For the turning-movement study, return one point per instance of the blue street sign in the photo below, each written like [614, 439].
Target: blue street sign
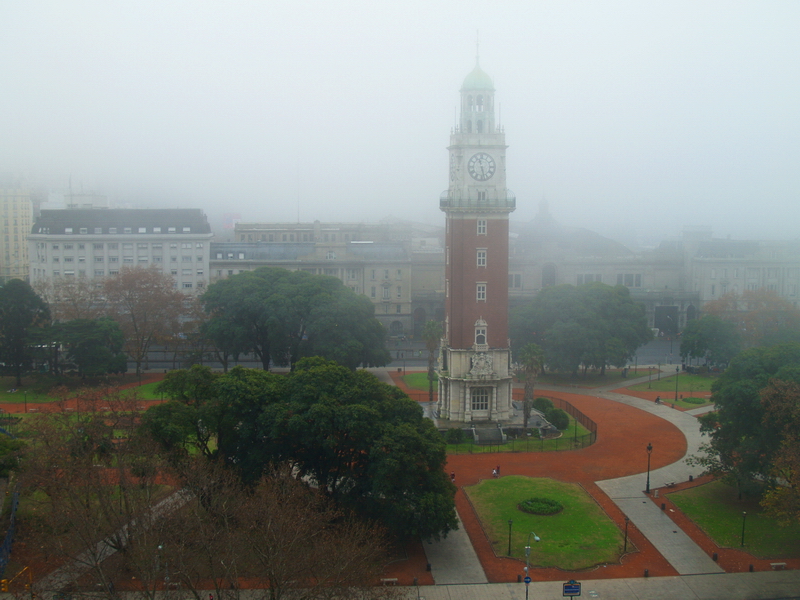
[572, 588]
[527, 580]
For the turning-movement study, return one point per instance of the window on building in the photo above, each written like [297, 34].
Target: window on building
[142, 229]
[399, 291]
[514, 280]
[480, 398]
[98, 246]
[330, 255]
[187, 285]
[481, 259]
[112, 230]
[157, 259]
[127, 230]
[386, 293]
[187, 230]
[113, 259]
[186, 272]
[399, 309]
[399, 274]
[99, 273]
[199, 245]
[98, 230]
[173, 272]
[156, 229]
[480, 336]
[55, 246]
[373, 292]
[374, 274]
[241, 256]
[113, 246]
[69, 259]
[98, 259]
[142, 260]
[200, 272]
[186, 259]
[83, 230]
[481, 226]
[480, 294]
[481, 195]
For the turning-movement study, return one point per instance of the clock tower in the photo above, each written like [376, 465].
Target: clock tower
[474, 374]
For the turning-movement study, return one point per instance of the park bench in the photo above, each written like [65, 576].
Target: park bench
[671, 484]
[388, 580]
[778, 566]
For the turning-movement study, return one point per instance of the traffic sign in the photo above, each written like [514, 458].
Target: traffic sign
[572, 588]
[527, 580]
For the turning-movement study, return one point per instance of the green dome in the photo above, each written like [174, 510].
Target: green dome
[477, 80]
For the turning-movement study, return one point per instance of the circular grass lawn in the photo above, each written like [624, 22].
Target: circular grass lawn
[579, 537]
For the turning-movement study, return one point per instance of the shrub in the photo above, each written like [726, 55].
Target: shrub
[454, 436]
[558, 418]
[542, 404]
[540, 506]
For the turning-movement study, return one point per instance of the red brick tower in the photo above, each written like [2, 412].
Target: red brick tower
[474, 376]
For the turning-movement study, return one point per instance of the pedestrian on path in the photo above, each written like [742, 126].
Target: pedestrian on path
[498, 470]
[453, 476]
[658, 399]
[494, 473]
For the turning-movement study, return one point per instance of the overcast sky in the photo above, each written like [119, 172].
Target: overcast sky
[624, 116]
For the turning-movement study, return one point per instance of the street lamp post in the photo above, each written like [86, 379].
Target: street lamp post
[649, 451]
[659, 371]
[510, 523]
[677, 370]
[649, 376]
[744, 519]
[625, 547]
[536, 538]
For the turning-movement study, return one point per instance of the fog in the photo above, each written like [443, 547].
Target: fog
[625, 116]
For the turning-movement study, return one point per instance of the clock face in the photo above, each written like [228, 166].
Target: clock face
[481, 166]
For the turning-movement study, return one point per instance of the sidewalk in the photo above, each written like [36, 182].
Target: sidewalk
[778, 585]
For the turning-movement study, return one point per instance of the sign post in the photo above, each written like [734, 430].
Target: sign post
[572, 588]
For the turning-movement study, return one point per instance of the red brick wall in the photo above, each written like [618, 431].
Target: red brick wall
[463, 274]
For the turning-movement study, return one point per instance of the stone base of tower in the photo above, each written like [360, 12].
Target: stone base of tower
[475, 385]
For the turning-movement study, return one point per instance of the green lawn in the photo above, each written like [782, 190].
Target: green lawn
[590, 379]
[579, 537]
[419, 381]
[688, 385]
[716, 509]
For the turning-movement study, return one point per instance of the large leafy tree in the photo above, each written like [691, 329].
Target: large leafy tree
[147, 307]
[432, 334]
[761, 316]
[781, 403]
[283, 316]
[593, 325]
[362, 443]
[742, 443]
[21, 312]
[711, 338]
[93, 346]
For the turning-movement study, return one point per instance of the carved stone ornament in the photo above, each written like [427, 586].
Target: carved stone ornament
[481, 364]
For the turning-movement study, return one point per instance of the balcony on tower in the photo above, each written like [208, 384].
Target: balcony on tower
[478, 200]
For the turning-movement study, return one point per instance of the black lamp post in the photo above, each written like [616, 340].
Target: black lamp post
[510, 523]
[744, 519]
[659, 371]
[649, 376]
[649, 452]
[677, 370]
[625, 547]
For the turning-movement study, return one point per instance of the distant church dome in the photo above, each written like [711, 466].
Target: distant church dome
[477, 80]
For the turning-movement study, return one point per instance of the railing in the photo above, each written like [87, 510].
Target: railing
[508, 202]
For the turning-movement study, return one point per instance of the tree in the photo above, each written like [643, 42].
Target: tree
[711, 338]
[742, 444]
[147, 307]
[283, 316]
[593, 325]
[432, 334]
[72, 298]
[761, 316]
[21, 312]
[781, 403]
[94, 346]
[363, 443]
[531, 358]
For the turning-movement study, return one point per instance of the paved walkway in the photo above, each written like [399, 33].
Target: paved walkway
[778, 585]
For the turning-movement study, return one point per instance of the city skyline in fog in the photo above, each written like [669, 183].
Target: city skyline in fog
[625, 117]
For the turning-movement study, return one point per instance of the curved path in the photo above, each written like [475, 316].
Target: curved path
[613, 471]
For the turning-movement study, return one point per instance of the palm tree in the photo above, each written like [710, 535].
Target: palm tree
[531, 357]
[432, 334]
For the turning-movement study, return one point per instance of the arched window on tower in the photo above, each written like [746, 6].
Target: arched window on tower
[480, 126]
[479, 104]
[469, 126]
[480, 333]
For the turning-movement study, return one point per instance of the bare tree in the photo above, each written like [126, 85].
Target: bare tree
[72, 297]
[147, 307]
